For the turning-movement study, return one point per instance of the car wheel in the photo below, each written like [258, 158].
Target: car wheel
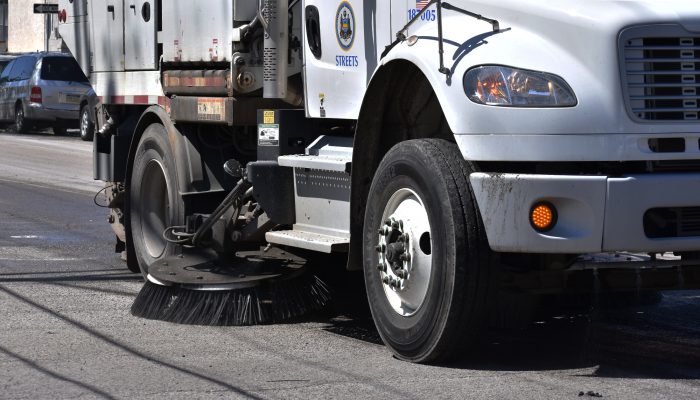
[154, 199]
[87, 128]
[21, 124]
[425, 254]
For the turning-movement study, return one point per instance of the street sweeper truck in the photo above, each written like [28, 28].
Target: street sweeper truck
[447, 149]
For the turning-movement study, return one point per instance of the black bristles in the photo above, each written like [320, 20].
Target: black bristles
[270, 302]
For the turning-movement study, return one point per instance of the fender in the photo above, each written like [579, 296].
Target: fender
[400, 104]
[193, 176]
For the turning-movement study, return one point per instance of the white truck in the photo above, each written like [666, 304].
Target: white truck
[442, 146]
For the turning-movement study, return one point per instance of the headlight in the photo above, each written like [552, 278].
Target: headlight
[495, 85]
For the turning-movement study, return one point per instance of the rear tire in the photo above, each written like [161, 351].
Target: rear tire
[154, 199]
[21, 124]
[421, 189]
[87, 128]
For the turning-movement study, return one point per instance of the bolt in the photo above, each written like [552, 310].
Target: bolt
[381, 232]
[405, 257]
[401, 273]
[387, 222]
[385, 280]
[380, 267]
[395, 225]
[380, 248]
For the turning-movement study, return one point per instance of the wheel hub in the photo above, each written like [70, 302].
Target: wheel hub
[404, 268]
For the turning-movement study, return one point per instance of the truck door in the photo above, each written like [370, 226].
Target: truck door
[335, 63]
[140, 45]
[108, 31]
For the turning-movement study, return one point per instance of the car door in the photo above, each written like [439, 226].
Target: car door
[5, 114]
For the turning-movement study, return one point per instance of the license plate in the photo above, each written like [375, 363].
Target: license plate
[69, 98]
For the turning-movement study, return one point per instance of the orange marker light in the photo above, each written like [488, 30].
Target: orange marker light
[543, 216]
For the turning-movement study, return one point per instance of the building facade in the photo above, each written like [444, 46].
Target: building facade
[26, 31]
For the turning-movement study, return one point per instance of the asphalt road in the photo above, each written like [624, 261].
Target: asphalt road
[66, 331]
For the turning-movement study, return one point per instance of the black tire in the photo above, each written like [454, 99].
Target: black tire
[60, 131]
[87, 127]
[154, 200]
[452, 314]
[21, 124]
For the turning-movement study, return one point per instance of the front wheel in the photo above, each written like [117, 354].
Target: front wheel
[154, 199]
[87, 128]
[425, 255]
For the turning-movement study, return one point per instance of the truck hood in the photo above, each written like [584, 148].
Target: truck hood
[598, 15]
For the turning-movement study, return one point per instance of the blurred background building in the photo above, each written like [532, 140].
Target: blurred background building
[23, 31]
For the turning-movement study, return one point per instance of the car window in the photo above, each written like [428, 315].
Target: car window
[3, 64]
[61, 69]
[23, 68]
[5, 76]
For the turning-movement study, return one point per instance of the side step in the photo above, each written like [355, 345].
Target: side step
[309, 241]
[321, 197]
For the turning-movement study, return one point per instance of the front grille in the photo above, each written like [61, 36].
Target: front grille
[672, 222]
[661, 71]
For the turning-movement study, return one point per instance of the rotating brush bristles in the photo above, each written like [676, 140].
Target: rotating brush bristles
[267, 303]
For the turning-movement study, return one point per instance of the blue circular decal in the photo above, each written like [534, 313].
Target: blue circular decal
[345, 26]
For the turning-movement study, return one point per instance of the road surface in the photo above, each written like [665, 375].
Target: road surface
[66, 331]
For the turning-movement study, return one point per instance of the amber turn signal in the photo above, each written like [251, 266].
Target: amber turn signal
[543, 216]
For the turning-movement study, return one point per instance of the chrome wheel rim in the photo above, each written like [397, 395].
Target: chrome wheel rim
[19, 118]
[155, 208]
[405, 252]
[84, 122]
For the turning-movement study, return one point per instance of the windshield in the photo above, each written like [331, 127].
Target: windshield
[61, 69]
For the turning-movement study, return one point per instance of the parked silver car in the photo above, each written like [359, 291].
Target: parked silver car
[45, 90]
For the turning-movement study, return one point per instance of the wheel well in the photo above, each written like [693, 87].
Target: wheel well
[150, 116]
[400, 104]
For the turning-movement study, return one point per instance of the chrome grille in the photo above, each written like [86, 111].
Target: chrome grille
[661, 71]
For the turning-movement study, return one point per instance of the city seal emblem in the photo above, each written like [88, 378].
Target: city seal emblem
[345, 26]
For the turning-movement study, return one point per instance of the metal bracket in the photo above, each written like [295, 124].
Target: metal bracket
[401, 35]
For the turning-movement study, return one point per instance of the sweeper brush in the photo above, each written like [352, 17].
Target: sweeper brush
[252, 290]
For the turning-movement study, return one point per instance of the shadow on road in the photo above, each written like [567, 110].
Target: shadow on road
[122, 346]
[619, 342]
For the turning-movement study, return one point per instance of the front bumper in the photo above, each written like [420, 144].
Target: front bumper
[595, 213]
[37, 112]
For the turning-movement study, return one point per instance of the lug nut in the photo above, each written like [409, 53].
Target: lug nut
[387, 222]
[380, 267]
[382, 232]
[395, 225]
[386, 280]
